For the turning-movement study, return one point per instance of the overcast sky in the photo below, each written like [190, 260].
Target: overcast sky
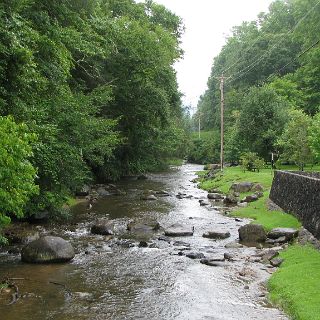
[207, 23]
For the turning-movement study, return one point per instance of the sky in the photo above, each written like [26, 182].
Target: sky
[207, 23]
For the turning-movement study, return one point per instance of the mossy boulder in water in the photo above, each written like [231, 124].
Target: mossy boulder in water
[47, 250]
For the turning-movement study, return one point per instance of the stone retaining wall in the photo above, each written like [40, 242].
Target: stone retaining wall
[299, 194]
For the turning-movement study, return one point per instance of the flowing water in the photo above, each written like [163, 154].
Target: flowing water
[111, 279]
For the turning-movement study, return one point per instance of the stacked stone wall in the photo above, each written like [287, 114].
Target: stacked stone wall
[298, 193]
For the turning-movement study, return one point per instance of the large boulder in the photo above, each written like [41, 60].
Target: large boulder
[252, 233]
[241, 187]
[178, 230]
[47, 250]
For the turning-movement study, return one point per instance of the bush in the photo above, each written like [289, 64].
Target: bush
[251, 162]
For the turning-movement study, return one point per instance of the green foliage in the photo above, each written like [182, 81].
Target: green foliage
[16, 172]
[314, 136]
[251, 162]
[261, 120]
[294, 142]
[295, 286]
[271, 64]
[94, 80]
[206, 149]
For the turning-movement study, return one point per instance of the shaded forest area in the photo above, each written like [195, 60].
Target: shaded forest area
[272, 89]
[87, 93]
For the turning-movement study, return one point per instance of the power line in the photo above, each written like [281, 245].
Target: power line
[294, 59]
[250, 66]
[288, 63]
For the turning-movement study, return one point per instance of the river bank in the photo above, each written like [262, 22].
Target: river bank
[118, 278]
[294, 286]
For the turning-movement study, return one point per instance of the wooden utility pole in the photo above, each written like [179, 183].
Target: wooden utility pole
[222, 121]
[222, 78]
[199, 124]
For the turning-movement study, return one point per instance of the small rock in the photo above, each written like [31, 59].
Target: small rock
[276, 241]
[288, 233]
[257, 187]
[162, 193]
[241, 187]
[243, 204]
[228, 256]
[204, 203]
[143, 244]
[250, 198]
[276, 262]
[164, 238]
[216, 235]
[246, 287]
[102, 192]
[212, 263]
[149, 197]
[215, 196]
[181, 244]
[178, 230]
[195, 255]
[233, 245]
[102, 227]
[269, 254]
[231, 199]
[259, 194]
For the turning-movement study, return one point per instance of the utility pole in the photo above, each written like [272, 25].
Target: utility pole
[199, 124]
[222, 78]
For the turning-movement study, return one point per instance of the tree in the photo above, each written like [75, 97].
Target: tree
[314, 136]
[17, 174]
[293, 142]
[261, 121]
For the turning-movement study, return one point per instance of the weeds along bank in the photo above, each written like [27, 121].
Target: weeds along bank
[295, 286]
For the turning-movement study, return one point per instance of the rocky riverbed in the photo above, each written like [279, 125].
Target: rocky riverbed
[150, 251]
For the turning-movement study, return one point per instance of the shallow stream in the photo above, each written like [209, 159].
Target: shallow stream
[112, 279]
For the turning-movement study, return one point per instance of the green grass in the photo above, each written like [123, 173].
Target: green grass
[257, 210]
[296, 285]
[224, 180]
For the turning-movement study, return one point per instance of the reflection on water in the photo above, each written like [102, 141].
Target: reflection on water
[107, 280]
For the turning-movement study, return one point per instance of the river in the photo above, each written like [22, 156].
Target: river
[109, 279]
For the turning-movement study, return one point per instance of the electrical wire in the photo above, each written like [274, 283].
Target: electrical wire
[250, 66]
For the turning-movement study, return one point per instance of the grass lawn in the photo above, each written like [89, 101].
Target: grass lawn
[259, 212]
[296, 285]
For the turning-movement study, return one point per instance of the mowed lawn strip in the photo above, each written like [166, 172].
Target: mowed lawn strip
[296, 285]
